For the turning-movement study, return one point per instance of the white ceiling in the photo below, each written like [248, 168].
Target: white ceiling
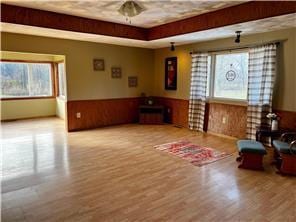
[157, 11]
[259, 26]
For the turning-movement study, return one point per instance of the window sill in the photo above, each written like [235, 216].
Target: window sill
[61, 97]
[28, 98]
[227, 101]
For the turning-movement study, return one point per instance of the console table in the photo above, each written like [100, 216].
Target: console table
[265, 131]
[151, 114]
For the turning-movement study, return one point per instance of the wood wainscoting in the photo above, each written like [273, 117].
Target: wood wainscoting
[105, 112]
[235, 117]
[102, 112]
[287, 119]
[176, 110]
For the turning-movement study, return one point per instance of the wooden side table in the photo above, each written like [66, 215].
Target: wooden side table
[151, 114]
[265, 131]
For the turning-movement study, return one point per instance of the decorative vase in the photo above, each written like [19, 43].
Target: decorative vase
[274, 124]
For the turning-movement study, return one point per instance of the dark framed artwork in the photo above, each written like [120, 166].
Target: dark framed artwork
[116, 72]
[99, 64]
[171, 73]
[132, 81]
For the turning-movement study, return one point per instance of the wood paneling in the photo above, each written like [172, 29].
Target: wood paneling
[235, 119]
[98, 113]
[249, 11]
[176, 110]
[287, 119]
[46, 19]
[235, 125]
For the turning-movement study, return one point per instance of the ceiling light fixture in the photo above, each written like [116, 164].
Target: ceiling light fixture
[130, 9]
[172, 46]
[237, 39]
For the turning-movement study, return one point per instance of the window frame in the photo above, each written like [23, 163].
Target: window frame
[210, 98]
[58, 93]
[53, 81]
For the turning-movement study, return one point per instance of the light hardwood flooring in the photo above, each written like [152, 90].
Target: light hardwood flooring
[115, 174]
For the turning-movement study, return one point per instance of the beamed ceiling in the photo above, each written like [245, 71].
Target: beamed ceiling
[179, 21]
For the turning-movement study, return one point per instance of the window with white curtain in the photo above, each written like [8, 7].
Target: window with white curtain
[228, 76]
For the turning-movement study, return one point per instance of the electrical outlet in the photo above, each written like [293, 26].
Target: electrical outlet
[223, 119]
[78, 115]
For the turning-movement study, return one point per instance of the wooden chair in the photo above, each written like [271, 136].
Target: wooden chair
[285, 153]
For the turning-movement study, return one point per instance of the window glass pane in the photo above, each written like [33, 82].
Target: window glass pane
[61, 74]
[14, 79]
[231, 76]
[25, 79]
[41, 80]
[209, 75]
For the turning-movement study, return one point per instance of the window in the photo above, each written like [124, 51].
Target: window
[61, 75]
[20, 79]
[228, 75]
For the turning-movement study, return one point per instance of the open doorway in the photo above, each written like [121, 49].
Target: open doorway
[33, 86]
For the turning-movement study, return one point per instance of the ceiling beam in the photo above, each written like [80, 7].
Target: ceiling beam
[245, 12]
[249, 11]
[45, 19]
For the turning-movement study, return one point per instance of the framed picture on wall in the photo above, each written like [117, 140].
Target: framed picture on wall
[99, 64]
[132, 81]
[171, 73]
[116, 72]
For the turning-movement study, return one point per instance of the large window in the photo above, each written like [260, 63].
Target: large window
[20, 79]
[228, 76]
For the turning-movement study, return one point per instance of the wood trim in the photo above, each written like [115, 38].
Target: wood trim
[249, 11]
[28, 98]
[34, 17]
[223, 135]
[27, 118]
[110, 99]
[245, 12]
[24, 61]
[56, 78]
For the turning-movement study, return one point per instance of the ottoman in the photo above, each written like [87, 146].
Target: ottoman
[250, 154]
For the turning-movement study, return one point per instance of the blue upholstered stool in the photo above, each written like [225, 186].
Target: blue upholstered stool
[250, 154]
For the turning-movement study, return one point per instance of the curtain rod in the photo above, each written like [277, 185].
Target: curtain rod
[240, 47]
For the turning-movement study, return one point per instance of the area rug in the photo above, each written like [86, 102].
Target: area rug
[195, 154]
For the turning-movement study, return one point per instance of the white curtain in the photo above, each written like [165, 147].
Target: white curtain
[198, 89]
[262, 71]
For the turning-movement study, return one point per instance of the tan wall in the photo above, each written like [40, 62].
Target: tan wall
[82, 82]
[285, 90]
[28, 108]
[61, 108]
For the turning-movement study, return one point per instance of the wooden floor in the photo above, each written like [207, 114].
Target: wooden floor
[115, 174]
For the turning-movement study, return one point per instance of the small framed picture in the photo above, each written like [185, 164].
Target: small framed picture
[99, 64]
[116, 72]
[132, 81]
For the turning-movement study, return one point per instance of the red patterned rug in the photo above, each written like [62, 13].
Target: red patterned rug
[197, 155]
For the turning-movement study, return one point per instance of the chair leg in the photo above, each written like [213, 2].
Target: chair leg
[239, 158]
